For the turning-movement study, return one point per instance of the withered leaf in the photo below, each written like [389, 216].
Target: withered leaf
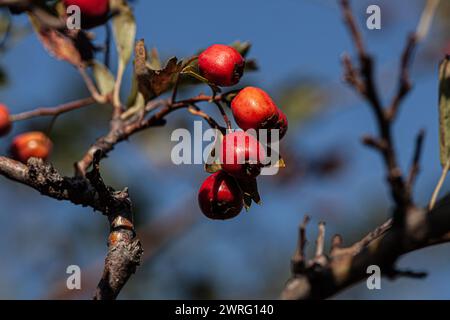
[444, 110]
[152, 83]
[161, 80]
[75, 49]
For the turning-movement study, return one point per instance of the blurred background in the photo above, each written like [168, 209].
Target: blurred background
[330, 175]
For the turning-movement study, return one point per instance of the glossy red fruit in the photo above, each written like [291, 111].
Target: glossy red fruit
[93, 12]
[253, 108]
[241, 154]
[222, 65]
[220, 197]
[33, 144]
[5, 122]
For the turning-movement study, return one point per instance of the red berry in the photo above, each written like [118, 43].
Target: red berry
[222, 65]
[253, 108]
[5, 122]
[93, 12]
[33, 144]
[241, 154]
[220, 197]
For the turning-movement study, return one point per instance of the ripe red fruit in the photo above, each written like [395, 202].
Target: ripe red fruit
[33, 144]
[222, 65]
[241, 154]
[93, 12]
[5, 122]
[220, 197]
[253, 108]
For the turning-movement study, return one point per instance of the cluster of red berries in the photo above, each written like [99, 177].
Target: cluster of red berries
[34, 144]
[220, 196]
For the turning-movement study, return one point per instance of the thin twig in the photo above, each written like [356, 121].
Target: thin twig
[53, 111]
[426, 19]
[404, 85]
[298, 259]
[193, 109]
[91, 86]
[224, 114]
[415, 165]
[385, 142]
[320, 242]
[439, 185]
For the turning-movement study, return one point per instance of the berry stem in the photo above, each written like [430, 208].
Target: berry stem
[224, 115]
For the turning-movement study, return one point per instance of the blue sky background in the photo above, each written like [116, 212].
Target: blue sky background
[247, 257]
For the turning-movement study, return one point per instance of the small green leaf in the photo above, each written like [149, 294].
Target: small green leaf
[103, 78]
[193, 72]
[444, 110]
[242, 47]
[124, 28]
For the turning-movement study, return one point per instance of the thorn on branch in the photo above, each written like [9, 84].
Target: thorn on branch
[415, 165]
[336, 243]
[351, 75]
[373, 142]
[404, 85]
[351, 24]
[320, 245]
[298, 259]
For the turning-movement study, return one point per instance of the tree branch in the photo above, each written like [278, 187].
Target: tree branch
[411, 228]
[381, 247]
[53, 111]
[124, 249]
[121, 129]
[384, 142]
